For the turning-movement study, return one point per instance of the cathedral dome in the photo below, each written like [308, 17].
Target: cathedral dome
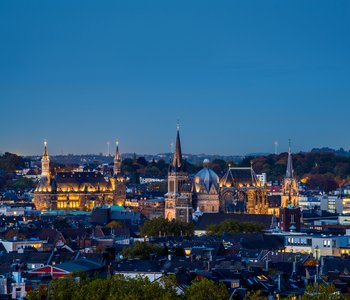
[206, 178]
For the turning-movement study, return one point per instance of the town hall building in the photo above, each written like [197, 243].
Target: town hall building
[78, 190]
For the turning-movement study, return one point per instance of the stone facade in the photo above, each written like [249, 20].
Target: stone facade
[77, 190]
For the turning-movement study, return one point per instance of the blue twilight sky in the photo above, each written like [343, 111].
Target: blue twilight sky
[238, 74]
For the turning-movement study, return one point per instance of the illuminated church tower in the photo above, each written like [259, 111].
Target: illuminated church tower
[45, 162]
[290, 185]
[117, 161]
[178, 200]
[118, 180]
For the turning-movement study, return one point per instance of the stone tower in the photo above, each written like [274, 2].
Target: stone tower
[45, 162]
[118, 180]
[178, 199]
[117, 161]
[290, 191]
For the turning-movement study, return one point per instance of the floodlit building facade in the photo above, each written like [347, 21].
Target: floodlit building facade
[78, 190]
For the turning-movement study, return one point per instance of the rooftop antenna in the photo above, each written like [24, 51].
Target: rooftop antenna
[276, 147]
[108, 153]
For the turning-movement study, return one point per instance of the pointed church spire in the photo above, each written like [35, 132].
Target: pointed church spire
[46, 152]
[117, 154]
[177, 158]
[117, 160]
[289, 171]
[45, 162]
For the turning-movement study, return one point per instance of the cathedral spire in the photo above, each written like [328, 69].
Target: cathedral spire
[117, 160]
[45, 162]
[177, 158]
[289, 171]
[46, 152]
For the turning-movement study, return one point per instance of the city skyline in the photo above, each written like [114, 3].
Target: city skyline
[238, 75]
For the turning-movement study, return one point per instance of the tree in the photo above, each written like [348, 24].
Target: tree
[162, 226]
[219, 165]
[255, 295]
[22, 183]
[233, 226]
[206, 289]
[10, 162]
[113, 287]
[152, 171]
[322, 292]
[143, 250]
[142, 161]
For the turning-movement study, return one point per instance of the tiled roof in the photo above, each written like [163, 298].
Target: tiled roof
[80, 265]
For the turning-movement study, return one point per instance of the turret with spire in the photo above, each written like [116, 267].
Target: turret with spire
[289, 171]
[290, 185]
[178, 164]
[117, 161]
[178, 199]
[45, 162]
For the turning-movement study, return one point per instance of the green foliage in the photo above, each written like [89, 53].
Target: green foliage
[219, 165]
[10, 162]
[143, 250]
[255, 295]
[232, 226]
[22, 183]
[163, 226]
[118, 287]
[323, 170]
[206, 289]
[322, 292]
[114, 287]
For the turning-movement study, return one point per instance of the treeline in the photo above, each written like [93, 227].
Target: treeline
[9, 163]
[319, 170]
[161, 226]
[141, 167]
[232, 226]
[118, 287]
[323, 169]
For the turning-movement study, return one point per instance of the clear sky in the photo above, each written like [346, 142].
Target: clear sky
[238, 74]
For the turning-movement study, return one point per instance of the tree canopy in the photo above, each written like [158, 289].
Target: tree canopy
[119, 287]
[161, 226]
[206, 289]
[143, 250]
[232, 226]
[9, 162]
